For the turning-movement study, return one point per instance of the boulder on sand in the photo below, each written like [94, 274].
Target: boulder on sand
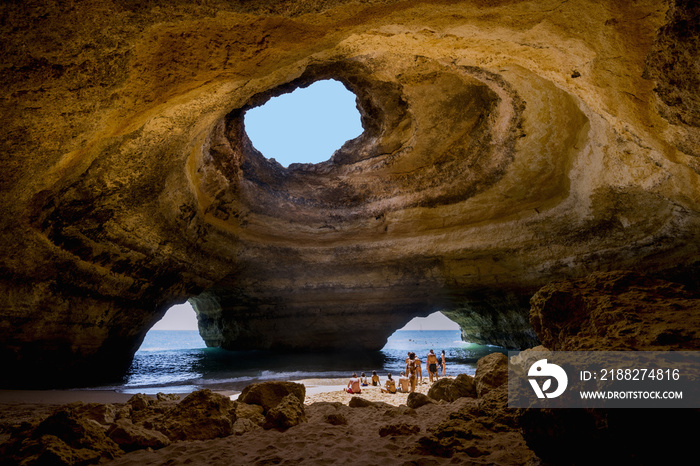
[270, 394]
[63, 438]
[202, 415]
[453, 389]
[132, 437]
[253, 413]
[415, 400]
[288, 413]
[491, 373]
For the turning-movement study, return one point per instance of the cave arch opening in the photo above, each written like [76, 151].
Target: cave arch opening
[306, 125]
[177, 329]
[434, 330]
[439, 333]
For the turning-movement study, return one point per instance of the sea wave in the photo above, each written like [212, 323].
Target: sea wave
[175, 362]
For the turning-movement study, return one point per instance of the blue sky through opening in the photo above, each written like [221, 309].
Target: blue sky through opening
[306, 125]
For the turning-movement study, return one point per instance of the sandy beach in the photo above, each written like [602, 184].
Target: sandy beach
[334, 432]
[45, 401]
[332, 390]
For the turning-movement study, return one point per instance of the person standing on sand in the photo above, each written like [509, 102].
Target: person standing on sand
[418, 365]
[443, 363]
[403, 383]
[390, 385]
[354, 384]
[432, 363]
[412, 370]
[420, 370]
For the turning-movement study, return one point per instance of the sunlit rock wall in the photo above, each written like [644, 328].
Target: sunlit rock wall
[506, 144]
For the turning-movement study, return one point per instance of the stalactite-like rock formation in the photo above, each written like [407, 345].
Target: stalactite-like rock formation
[505, 144]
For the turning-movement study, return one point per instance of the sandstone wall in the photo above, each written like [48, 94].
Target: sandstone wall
[506, 144]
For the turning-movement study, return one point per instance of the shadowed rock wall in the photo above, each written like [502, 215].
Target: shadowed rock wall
[506, 144]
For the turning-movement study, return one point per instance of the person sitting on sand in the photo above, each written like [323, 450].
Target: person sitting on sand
[412, 371]
[403, 383]
[375, 379]
[353, 384]
[432, 363]
[363, 380]
[389, 384]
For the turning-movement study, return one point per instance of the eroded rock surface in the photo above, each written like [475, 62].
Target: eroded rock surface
[614, 311]
[270, 394]
[81, 434]
[66, 437]
[505, 144]
[617, 311]
[452, 389]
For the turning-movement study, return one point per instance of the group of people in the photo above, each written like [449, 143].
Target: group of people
[409, 378]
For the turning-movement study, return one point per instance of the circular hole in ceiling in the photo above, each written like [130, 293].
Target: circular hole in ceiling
[305, 126]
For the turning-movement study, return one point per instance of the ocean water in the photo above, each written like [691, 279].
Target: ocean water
[177, 361]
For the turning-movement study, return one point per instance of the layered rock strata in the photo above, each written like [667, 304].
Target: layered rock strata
[505, 144]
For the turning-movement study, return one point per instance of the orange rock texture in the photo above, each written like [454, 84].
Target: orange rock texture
[506, 144]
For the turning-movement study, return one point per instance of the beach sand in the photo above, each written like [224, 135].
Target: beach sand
[377, 434]
[332, 390]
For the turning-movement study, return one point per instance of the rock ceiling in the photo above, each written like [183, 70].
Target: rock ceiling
[505, 144]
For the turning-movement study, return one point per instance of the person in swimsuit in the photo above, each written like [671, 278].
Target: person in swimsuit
[363, 380]
[375, 379]
[390, 385]
[418, 365]
[432, 362]
[353, 384]
[420, 370]
[403, 383]
[412, 371]
[443, 363]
